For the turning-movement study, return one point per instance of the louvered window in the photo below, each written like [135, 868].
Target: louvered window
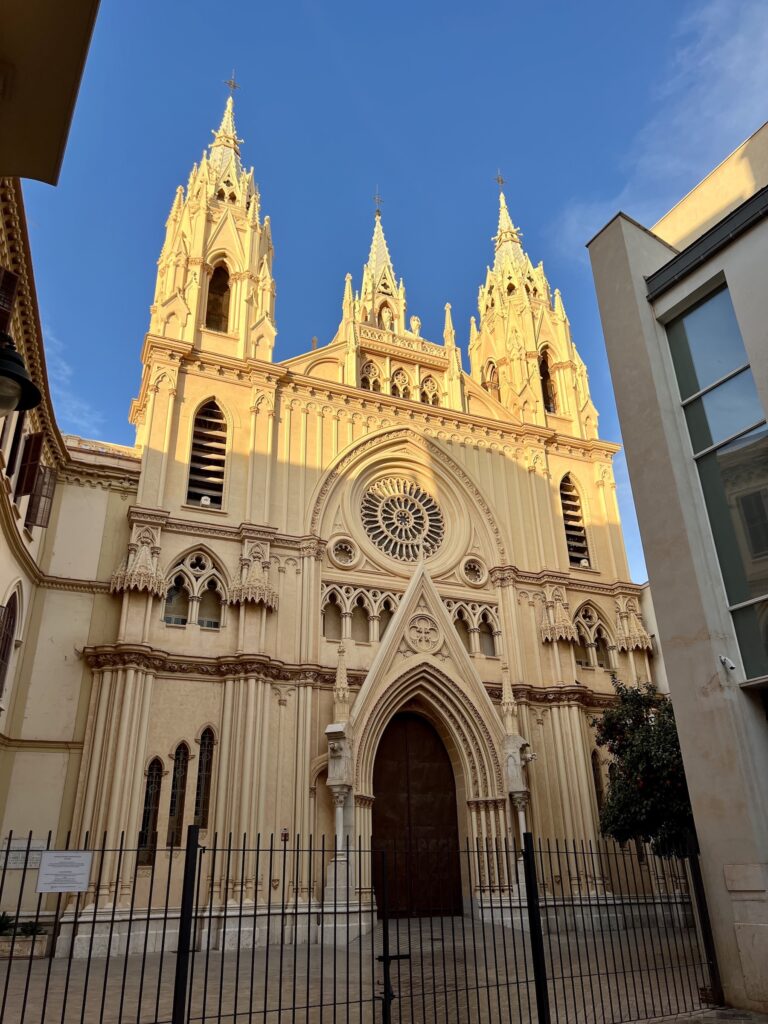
[575, 534]
[547, 385]
[18, 434]
[148, 834]
[208, 457]
[178, 792]
[30, 460]
[8, 282]
[8, 616]
[41, 498]
[204, 772]
[217, 311]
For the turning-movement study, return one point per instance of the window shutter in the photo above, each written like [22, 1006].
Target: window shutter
[30, 460]
[8, 282]
[18, 433]
[41, 501]
[7, 632]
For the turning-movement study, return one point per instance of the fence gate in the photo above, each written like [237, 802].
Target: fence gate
[278, 929]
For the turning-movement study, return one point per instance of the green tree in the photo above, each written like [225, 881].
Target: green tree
[647, 795]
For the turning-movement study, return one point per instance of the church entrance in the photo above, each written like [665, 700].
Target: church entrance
[415, 829]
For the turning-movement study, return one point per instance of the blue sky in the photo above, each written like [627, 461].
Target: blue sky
[586, 108]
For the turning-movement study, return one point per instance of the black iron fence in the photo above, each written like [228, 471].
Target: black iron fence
[281, 930]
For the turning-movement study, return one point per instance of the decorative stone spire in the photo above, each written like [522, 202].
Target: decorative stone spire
[226, 145]
[449, 334]
[379, 259]
[507, 238]
[341, 689]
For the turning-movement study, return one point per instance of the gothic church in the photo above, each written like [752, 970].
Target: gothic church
[312, 579]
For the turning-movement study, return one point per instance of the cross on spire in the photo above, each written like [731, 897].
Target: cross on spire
[232, 84]
[500, 181]
[378, 200]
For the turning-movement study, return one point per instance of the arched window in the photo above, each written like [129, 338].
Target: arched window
[602, 651]
[385, 617]
[370, 377]
[429, 391]
[209, 613]
[491, 379]
[220, 195]
[360, 622]
[204, 774]
[208, 457]
[575, 534]
[580, 650]
[462, 628]
[332, 619]
[487, 639]
[8, 618]
[547, 384]
[597, 778]
[178, 792]
[400, 384]
[148, 834]
[217, 310]
[177, 603]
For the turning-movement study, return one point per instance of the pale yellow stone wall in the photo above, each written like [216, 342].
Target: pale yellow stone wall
[108, 684]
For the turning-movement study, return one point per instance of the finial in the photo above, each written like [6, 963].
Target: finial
[231, 84]
[498, 179]
[378, 200]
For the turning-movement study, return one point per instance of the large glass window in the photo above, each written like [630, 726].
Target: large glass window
[726, 423]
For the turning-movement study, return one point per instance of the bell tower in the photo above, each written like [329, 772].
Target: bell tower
[522, 353]
[215, 291]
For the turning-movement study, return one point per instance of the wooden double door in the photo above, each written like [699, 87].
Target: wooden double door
[416, 856]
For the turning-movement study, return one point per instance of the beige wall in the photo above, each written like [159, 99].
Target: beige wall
[723, 731]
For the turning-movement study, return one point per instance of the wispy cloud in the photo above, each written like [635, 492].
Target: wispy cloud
[712, 95]
[75, 415]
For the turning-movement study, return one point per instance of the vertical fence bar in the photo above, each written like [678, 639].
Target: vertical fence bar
[185, 925]
[534, 924]
[702, 912]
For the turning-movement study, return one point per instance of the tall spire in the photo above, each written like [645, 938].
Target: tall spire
[226, 144]
[379, 258]
[507, 237]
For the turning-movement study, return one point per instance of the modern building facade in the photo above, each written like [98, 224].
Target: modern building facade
[684, 310]
[304, 565]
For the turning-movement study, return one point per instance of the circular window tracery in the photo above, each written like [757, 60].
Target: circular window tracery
[402, 519]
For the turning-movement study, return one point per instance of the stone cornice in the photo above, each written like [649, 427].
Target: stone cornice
[511, 576]
[39, 746]
[111, 656]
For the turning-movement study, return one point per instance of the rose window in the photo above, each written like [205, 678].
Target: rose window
[402, 519]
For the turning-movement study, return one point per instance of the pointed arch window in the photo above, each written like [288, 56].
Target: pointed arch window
[359, 625]
[148, 833]
[177, 603]
[208, 457]
[209, 612]
[178, 793]
[370, 379]
[602, 649]
[8, 619]
[462, 628]
[573, 519]
[491, 379]
[217, 309]
[332, 619]
[486, 637]
[429, 391]
[204, 776]
[547, 384]
[400, 387]
[385, 616]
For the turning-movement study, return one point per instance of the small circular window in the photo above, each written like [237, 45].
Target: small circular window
[343, 552]
[474, 572]
[402, 519]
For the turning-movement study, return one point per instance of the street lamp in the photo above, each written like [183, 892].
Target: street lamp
[17, 390]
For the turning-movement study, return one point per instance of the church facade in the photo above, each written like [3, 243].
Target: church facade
[305, 567]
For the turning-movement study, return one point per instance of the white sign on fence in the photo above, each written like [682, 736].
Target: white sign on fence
[21, 853]
[64, 870]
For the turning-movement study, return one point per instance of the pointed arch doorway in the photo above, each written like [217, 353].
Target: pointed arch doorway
[415, 827]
